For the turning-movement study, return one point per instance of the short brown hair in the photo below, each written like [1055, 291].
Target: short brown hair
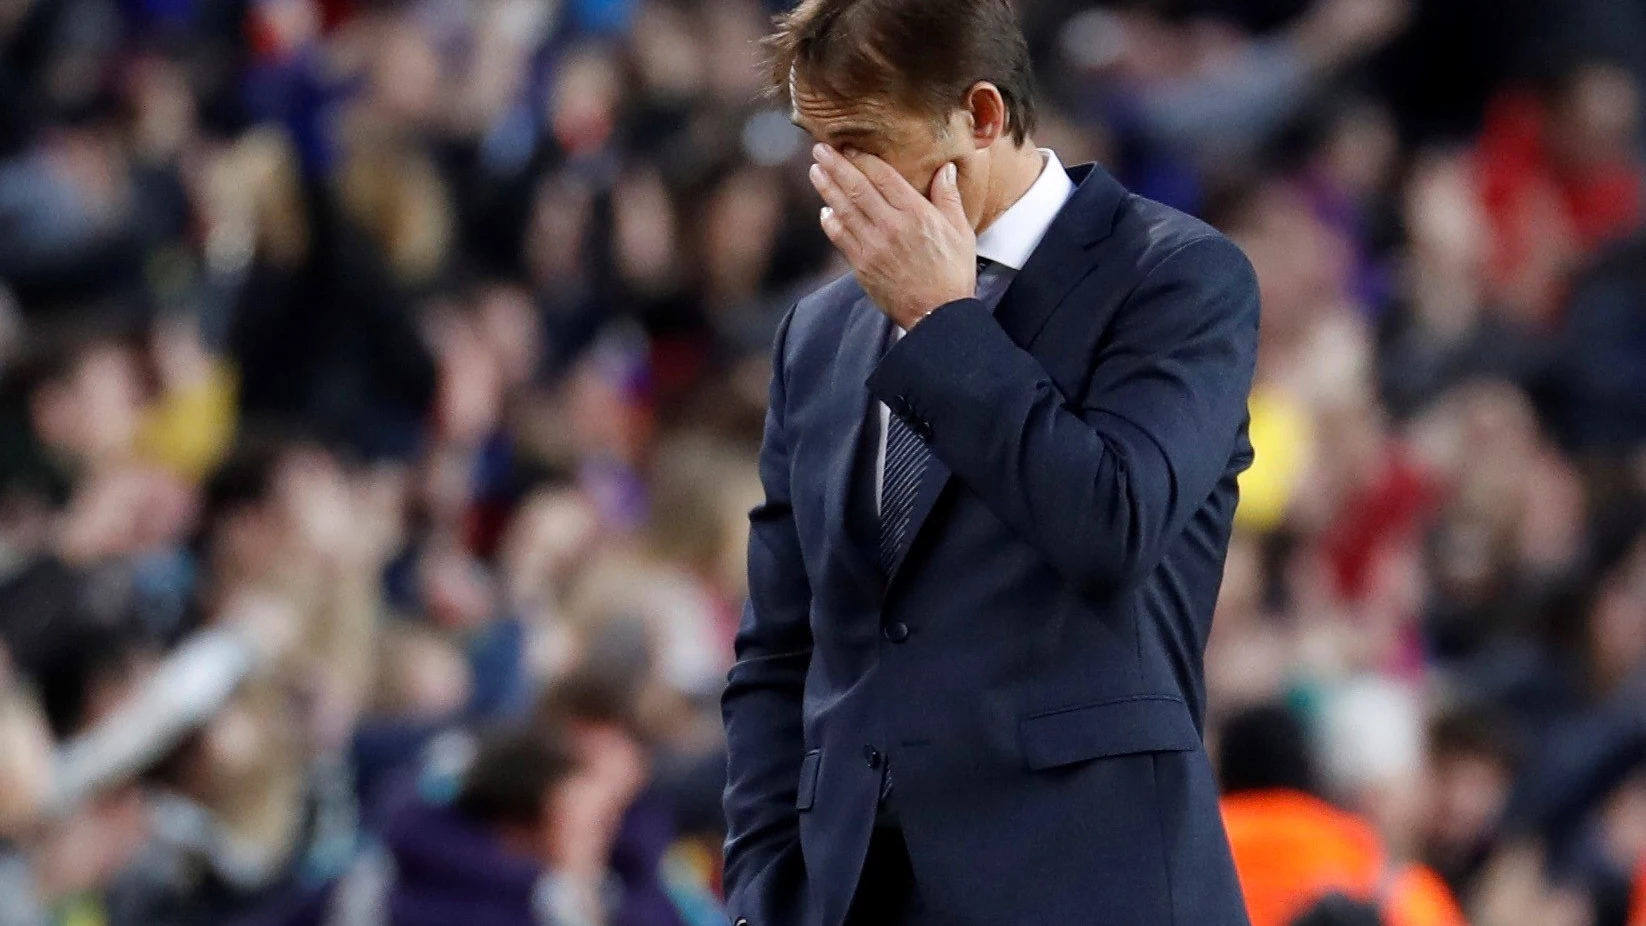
[511, 774]
[922, 54]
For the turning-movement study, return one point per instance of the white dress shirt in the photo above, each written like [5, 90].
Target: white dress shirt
[1007, 241]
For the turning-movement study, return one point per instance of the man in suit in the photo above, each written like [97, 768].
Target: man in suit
[999, 471]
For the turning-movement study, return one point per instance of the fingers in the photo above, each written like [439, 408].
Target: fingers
[946, 196]
[890, 184]
[845, 190]
[839, 235]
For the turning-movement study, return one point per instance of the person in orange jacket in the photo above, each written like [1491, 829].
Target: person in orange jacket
[1293, 849]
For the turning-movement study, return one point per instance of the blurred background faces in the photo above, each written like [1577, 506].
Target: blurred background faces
[380, 384]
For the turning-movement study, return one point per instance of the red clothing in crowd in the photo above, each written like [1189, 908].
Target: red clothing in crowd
[1534, 203]
[1388, 511]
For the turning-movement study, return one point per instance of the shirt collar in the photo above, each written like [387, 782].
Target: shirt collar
[1012, 237]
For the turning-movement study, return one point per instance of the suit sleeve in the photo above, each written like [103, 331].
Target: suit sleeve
[1098, 483]
[762, 703]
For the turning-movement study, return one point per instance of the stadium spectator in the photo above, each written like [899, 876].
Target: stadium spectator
[1301, 860]
[523, 841]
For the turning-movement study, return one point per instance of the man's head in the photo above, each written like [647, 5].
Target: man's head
[917, 83]
[1266, 748]
[80, 385]
[511, 782]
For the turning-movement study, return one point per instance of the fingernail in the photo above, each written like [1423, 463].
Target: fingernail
[948, 172]
[816, 173]
[821, 152]
[823, 215]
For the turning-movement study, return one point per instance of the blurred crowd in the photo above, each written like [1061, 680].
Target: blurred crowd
[380, 384]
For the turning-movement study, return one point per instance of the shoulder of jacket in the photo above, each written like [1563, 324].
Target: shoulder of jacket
[819, 309]
[1159, 233]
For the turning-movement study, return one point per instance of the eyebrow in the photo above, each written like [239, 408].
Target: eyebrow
[842, 132]
[855, 131]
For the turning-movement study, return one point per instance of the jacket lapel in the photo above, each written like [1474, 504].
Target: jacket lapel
[1063, 257]
[1058, 264]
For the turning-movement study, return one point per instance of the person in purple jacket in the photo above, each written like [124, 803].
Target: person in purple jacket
[525, 841]
[550, 825]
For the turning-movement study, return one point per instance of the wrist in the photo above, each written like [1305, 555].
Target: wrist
[907, 324]
[920, 316]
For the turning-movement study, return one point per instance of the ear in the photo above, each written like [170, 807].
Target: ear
[988, 111]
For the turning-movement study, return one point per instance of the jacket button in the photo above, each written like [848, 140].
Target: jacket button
[871, 755]
[742, 922]
[896, 632]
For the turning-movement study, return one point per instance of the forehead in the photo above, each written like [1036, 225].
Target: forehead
[838, 120]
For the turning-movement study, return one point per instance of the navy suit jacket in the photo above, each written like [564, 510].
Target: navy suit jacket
[1031, 669]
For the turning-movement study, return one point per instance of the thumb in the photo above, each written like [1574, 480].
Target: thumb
[946, 196]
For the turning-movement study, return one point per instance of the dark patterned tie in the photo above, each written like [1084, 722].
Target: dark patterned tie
[906, 458]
